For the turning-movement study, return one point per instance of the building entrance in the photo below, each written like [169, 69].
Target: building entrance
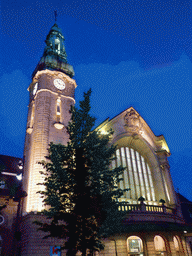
[135, 246]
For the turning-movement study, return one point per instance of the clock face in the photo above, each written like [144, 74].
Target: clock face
[59, 84]
[35, 88]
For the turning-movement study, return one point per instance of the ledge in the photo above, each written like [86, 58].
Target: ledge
[58, 126]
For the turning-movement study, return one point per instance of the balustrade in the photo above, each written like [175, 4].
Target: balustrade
[124, 206]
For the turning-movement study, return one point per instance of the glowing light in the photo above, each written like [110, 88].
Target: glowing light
[164, 146]
[29, 130]
[59, 126]
[19, 177]
[103, 132]
[9, 173]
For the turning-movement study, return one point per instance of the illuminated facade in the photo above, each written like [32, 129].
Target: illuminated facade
[154, 222]
[144, 156]
[51, 96]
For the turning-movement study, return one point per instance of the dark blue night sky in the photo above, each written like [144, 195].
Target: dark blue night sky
[131, 53]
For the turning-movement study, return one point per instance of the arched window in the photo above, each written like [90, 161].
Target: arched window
[58, 110]
[135, 246]
[137, 175]
[160, 246]
[32, 115]
[57, 45]
[177, 246]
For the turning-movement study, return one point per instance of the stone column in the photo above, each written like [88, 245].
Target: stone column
[165, 170]
[149, 238]
[172, 246]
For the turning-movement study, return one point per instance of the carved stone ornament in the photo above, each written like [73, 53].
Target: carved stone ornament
[132, 121]
[29, 130]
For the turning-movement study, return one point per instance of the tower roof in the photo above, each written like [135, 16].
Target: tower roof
[54, 56]
[56, 29]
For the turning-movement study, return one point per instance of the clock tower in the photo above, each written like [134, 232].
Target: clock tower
[51, 96]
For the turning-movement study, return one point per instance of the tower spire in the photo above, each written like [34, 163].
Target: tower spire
[54, 56]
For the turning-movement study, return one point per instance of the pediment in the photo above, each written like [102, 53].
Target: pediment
[130, 123]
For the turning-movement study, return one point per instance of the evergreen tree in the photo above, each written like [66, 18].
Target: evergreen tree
[81, 189]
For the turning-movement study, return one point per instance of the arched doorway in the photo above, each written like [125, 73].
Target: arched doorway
[135, 246]
[160, 248]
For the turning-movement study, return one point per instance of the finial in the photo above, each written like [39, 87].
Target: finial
[55, 16]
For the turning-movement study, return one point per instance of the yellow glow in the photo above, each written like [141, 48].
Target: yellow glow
[159, 243]
[29, 130]
[176, 243]
[55, 74]
[103, 132]
[47, 90]
[135, 244]
[59, 126]
[164, 146]
[34, 200]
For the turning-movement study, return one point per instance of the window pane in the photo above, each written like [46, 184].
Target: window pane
[137, 176]
[134, 244]
[118, 164]
[130, 172]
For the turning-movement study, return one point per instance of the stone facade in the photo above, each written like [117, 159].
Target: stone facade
[151, 227]
[42, 129]
[32, 242]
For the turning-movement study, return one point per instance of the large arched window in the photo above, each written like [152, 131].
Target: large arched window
[135, 246]
[137, 175]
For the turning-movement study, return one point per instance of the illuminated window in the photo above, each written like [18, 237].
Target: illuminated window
[160, 246]
[135, 246]
[58, 110]
[32, 115]
[57, 45]
[176, 244]
[137, 175]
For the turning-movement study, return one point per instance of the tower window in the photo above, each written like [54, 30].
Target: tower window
[58, 110]
[57, 45]
[32, 115]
